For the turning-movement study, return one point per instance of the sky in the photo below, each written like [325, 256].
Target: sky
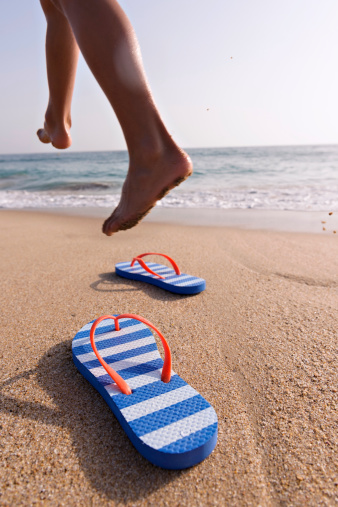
[223, 73]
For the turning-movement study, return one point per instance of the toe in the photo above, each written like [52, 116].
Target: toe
[109, 226]
[43, 136]
[106, 230]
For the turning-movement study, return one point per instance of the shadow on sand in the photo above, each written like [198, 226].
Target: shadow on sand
[110, 462]
[110, 282]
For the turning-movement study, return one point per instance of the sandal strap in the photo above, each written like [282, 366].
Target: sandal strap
[144, 265]
[120, 382]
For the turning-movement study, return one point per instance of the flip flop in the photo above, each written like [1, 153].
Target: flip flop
[167, 421]
[167, 278]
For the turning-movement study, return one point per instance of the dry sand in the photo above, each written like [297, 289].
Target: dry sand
[260, 344]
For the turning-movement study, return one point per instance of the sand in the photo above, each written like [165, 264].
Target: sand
[260, 344]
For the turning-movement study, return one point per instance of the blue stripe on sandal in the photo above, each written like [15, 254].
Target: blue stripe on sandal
[168, 422]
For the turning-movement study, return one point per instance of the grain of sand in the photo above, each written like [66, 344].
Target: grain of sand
[260, 344]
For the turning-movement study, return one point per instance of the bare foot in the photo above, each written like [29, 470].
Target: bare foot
[144, 186]
[55, 132]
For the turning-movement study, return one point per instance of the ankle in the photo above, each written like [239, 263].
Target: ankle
[58, 128]
[151, 154]
[57, 121]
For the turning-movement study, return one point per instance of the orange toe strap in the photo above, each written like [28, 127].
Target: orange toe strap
[144, 265]
[120, 382]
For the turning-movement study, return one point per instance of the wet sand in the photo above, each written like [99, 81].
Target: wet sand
[260, 344]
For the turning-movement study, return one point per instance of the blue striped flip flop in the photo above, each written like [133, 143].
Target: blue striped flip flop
[162, 276]
[167, 421]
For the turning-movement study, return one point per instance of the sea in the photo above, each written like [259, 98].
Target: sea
[298, 178]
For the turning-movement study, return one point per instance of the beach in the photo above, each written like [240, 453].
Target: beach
[260, 344]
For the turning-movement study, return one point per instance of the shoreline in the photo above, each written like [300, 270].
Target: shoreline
[252, 219]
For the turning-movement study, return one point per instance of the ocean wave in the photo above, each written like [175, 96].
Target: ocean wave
[83, 187]
[301, 198]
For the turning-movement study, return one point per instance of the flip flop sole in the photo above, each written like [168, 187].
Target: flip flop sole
[178, 284]
[170, 424]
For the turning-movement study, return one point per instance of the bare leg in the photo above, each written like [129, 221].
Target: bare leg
[109, 45]
[62, 54]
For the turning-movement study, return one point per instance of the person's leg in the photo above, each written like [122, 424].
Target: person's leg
[109, 45]
[62, 54]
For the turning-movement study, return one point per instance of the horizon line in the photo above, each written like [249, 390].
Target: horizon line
[56, 151]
